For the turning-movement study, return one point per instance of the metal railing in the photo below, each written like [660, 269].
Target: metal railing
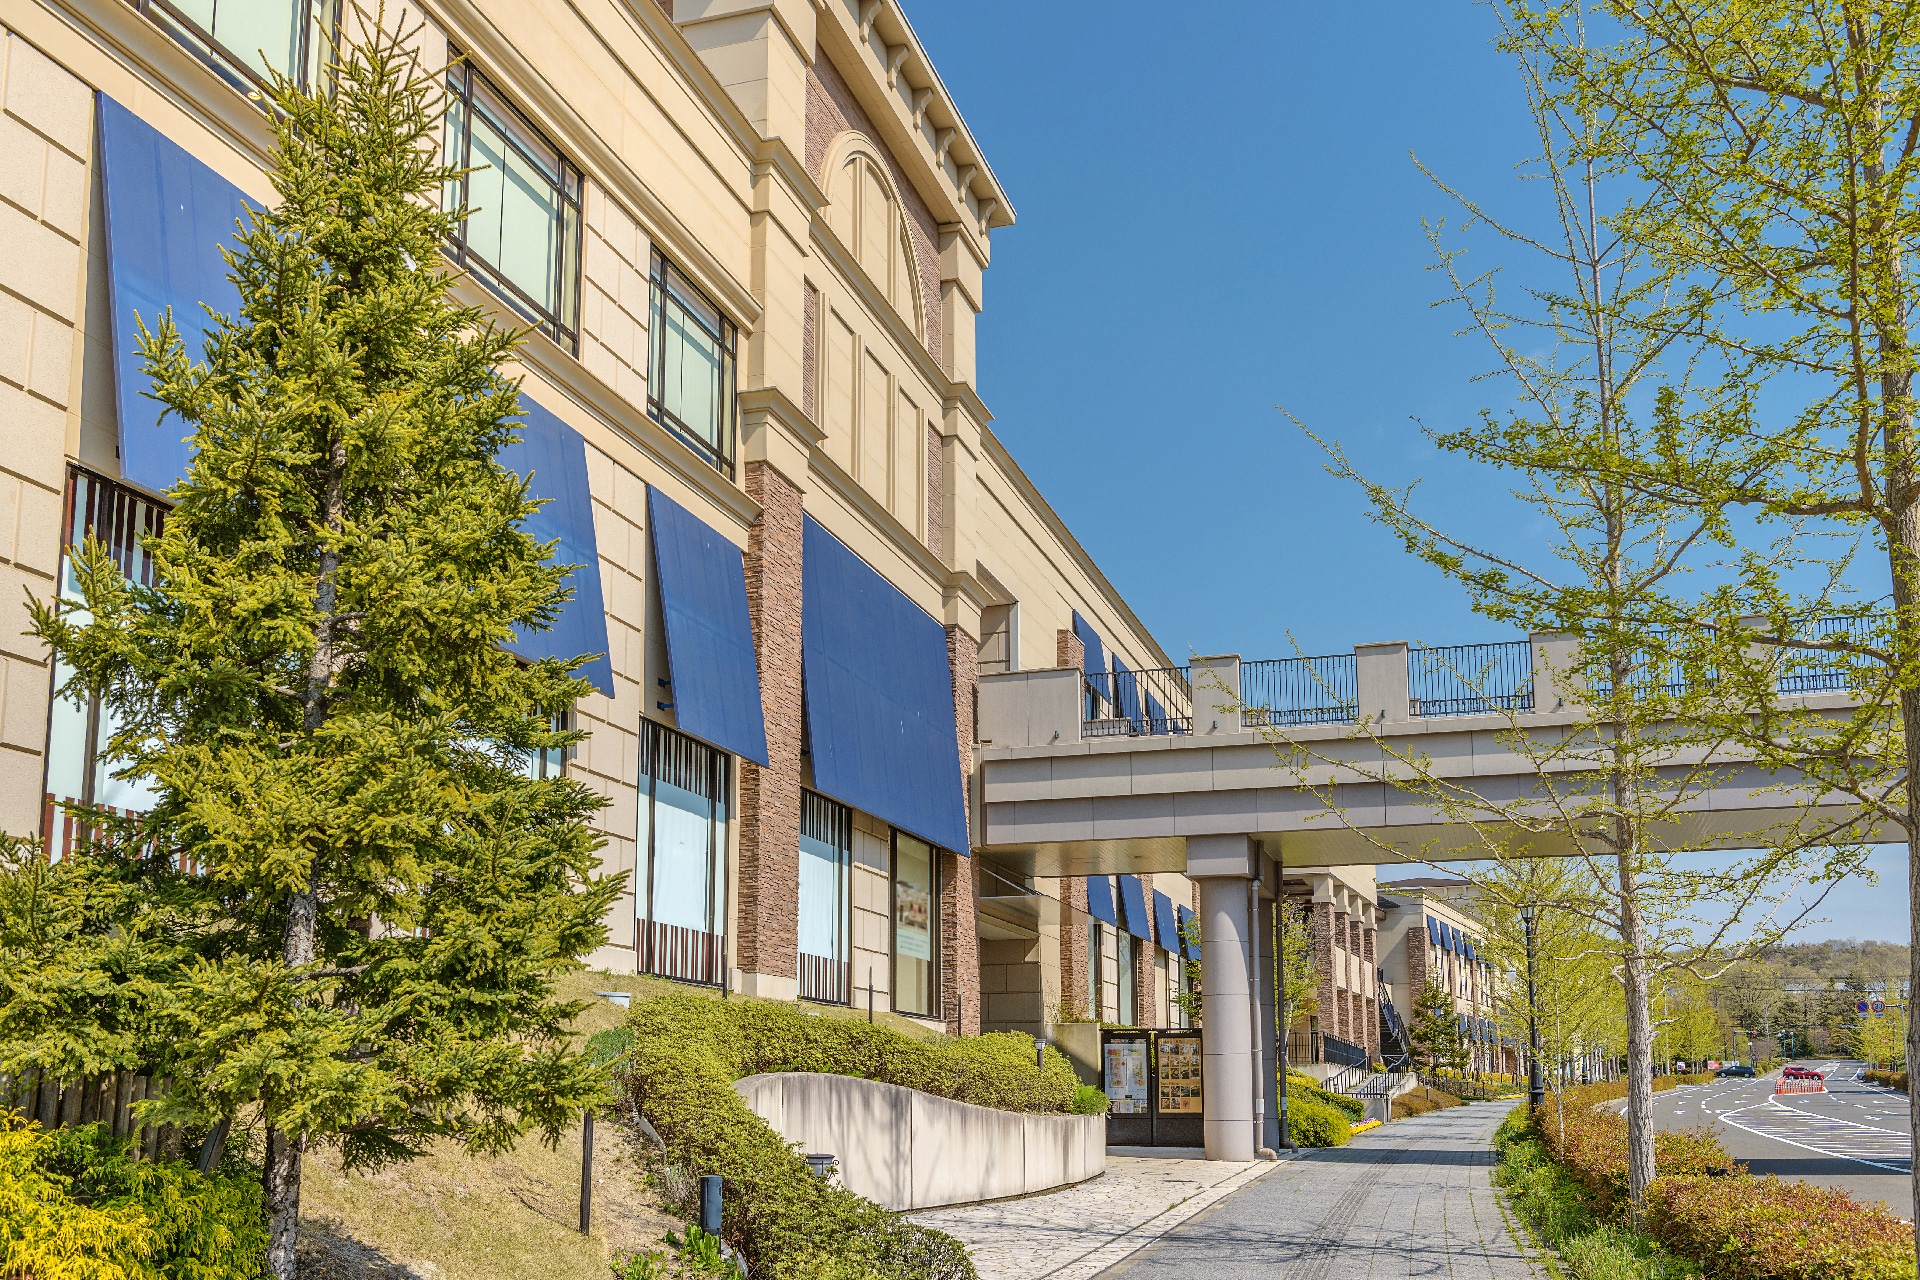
[1341, 1053]
[1294, 691]
[1471, 679]
[1818, 671]
[1154, 702]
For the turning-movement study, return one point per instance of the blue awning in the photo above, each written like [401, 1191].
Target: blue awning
[1126, 693]
[880, 718]
[1433, 931]
[1094, 662]
[555, 457]
[1166, 928]
[710, 653]
[1190, 945]
[1133, 906]
[1100, 899]
[167, 216]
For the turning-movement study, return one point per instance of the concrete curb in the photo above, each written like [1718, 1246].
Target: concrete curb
[1121, 1247]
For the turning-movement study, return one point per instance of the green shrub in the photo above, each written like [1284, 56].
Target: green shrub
[1765, 1229]
[75, 1206]
[1887, 1079]
[788, 1225]
[1315, 1124]
[1299, 1086]
[1089, 1101]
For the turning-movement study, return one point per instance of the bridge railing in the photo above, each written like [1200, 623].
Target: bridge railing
[1278, 692]
[1154, 702]
[1470, 679]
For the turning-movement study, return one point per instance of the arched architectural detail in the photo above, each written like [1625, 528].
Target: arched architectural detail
[867, 213]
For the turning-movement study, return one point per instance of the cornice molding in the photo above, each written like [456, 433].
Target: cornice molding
[463, 22]
[997, 453]
[774, 403]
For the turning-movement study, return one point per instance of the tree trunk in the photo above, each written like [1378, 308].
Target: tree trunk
[282, 1179]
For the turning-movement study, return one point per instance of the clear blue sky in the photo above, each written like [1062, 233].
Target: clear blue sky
[1219, 211]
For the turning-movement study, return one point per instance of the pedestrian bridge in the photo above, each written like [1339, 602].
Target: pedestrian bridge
[1208, 750]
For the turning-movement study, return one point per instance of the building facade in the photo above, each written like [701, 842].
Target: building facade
[1427, 934]
[750, 241]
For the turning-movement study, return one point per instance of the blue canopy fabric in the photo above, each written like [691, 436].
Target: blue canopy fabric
[1126, 694]
[879, 695]
[1191, 947]
[554, 456]
[1133, 904]
[1433, 931]
[1100, 899]
[703, 593]
[1094, 661]
[1166, 929]
[167, 216]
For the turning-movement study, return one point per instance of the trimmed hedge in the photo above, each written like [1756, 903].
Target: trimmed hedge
[1299, 1086]
[1887, 1079]
[1422, 1100]
[75, 1206]
[1702, 1206]
[1315, 1124]
[688, 1050]
[1766, 1229]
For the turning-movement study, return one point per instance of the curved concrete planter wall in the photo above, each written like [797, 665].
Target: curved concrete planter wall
[909, 1150]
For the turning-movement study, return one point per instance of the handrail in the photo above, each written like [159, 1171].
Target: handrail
[1276, 692]
[1471, 679]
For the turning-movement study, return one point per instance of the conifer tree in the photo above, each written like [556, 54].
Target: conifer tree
[364, 896]
[1436, 1033]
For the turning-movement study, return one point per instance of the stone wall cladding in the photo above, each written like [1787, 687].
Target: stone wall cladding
[46, 134]
[1369, 941]
[1070, 652]
[1322, 923]
[1073, 952]
[769, 881]
[960, 944]
[1146, 986]
[831, 111]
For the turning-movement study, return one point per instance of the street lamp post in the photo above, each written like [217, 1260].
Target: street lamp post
[1536, 1087]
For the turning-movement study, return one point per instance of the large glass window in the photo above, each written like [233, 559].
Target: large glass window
[521, 234]
[1096, 977]
[1123, 965]
[916, 928]
[248, 40]
[680, 895]
[826, 861]
[79, 771]
[690, 366]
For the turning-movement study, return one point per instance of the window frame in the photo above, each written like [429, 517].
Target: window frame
[719, 819]
[224, 61]
[569, 188]
[664, 281]
[935, 941]
[844, 900]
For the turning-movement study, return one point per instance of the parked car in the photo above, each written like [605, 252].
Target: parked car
[1737, 1069]
[1799, 1073]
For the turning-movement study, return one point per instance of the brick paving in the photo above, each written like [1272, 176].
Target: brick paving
[1411, 1199]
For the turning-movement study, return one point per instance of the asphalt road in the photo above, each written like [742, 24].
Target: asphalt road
[1855, 1136]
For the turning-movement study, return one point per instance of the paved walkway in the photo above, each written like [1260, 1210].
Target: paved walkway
[1410, 1199]
[1079, 1232]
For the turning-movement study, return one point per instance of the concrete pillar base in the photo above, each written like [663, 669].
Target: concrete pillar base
[1230, 1053]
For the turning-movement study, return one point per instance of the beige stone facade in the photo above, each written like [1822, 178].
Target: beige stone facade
[799, 163]
[1410, 957]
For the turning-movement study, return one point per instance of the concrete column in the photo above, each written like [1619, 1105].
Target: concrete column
[1216, 694]
[1223, 866]
[1380, 676]
[1269, 1030]
[1556, 686]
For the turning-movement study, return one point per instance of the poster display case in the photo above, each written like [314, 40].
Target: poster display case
[1152, 1082]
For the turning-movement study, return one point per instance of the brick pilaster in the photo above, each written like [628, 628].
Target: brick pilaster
[1147, 998]
[1368, 942]
[1323, 935]
[768, 918]
[960, 879]
[1069, 651]
[1073, 950]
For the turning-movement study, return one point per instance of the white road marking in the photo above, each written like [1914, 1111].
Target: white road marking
[1825, 1135]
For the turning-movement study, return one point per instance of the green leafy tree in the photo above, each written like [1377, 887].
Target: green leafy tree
[1188, 997]
[1435, 1030]
[1598, 353]
[365, 897]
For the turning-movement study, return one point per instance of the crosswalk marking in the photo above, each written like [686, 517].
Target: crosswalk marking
[1824, 1135]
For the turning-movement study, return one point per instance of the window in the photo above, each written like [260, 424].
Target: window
[996, 639]
[246, 40]
[826, 859]
[78, 771]
[521, 235]
[1129, 1013]
[690, 366]
[548, 762]
[680, 881]
[916, 928]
